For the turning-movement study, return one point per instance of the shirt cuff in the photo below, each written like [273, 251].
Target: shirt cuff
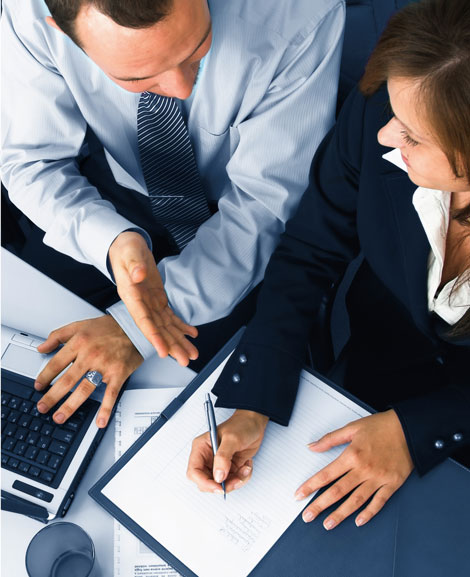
[96, 237]
[260, 378]
[122, 316]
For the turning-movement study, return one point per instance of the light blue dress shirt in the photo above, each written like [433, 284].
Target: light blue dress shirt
[264, 100]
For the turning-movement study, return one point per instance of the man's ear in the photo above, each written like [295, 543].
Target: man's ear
[53, 23]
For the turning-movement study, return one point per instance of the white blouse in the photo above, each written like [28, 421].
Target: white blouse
[433, 208]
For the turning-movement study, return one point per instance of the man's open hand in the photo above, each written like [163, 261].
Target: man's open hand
[140, 286]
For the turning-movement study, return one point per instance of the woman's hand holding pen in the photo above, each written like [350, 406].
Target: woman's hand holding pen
[373, 466]
[239, 440]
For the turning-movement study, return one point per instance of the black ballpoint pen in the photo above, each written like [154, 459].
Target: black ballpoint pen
[212, 429]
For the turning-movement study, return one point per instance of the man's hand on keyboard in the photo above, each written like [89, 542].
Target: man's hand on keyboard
[92, 345]
[141, 288]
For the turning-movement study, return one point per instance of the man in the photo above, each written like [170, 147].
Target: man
[255, 85]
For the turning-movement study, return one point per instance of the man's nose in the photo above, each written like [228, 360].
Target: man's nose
[177, 82]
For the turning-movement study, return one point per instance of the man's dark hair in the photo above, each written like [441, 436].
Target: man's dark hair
[128, 13]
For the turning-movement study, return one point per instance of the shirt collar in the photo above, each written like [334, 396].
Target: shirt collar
[394, 156]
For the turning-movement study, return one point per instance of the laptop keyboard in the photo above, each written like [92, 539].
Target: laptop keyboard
[32, 444]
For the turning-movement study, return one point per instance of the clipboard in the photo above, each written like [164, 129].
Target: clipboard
[424, 529]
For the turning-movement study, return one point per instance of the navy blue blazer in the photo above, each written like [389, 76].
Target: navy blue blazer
[356, 201]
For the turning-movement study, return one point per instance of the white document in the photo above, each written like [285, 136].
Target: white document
[136, 411]
[213, 537]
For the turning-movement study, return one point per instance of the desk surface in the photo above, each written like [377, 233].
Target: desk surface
[38, 312]
[39, 316]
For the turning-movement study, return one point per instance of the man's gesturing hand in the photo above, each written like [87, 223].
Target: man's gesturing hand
[375, 464]
[240, 438]
[92, 345]
[140, 286]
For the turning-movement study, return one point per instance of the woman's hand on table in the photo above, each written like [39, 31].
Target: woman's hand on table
[373, 466]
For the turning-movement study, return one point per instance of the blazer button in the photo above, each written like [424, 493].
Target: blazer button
[439, 444]
[457, 437]
[236, 378]
[242, 359]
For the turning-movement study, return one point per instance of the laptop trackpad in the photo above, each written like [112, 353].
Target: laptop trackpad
[23, 361]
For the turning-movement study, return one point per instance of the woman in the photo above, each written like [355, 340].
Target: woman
[408, 304]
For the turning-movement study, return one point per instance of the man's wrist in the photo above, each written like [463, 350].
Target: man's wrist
[124, 319]
[123, 238]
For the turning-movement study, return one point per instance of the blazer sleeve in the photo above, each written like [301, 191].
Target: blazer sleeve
[438, 424]
[318, 243]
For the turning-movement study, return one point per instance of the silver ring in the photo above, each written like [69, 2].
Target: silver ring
[94, 377]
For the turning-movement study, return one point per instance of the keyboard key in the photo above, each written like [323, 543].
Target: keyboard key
[13, 463]
[13, 416]
[26, 406]
[61, 435]
[23, 467]
[32, 438]
[17, 389]
[24, 421]
[46, 476]
[8, 444]
[46, 430]
[31, 453]
[21, 433]
[43, 457]
[14, 403]
[5, 398]
[37, 396]
[20, 448]
[35, 425]
[10, 430]
[4, 459]
[54, 462]
[34, 412]
[5, 412]
[80, 414]
[34, 471]
[58, 448]
[43, 442]
[72, 425]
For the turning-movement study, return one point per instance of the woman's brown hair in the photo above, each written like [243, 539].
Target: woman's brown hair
[429, 41]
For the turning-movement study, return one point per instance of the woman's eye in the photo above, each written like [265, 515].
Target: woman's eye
[407, 138]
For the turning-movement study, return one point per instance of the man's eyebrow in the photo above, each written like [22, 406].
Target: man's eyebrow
[204, 38]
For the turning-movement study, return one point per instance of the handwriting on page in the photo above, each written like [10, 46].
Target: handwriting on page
[243, 531]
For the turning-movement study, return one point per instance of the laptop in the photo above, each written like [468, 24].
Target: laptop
[42, 462]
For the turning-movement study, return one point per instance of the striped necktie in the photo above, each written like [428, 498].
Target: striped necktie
[171, 175]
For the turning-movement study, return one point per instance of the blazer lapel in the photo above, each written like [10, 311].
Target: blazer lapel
[412, 242]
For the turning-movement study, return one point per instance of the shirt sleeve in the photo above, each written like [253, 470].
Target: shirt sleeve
[42, 134]
[318, 244]
[268, 172]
